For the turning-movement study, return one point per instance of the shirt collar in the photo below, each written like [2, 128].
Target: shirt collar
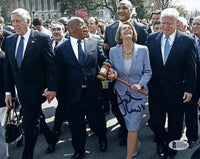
[74, 40]
[171, 37]
[27, 34]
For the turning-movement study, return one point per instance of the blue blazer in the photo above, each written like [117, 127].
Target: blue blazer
[140, 71]
[71, 73]
[37, 71]
[179, 72]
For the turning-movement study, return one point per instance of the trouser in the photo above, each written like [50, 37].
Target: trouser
[76, 118]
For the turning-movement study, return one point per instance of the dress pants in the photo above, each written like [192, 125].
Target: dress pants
[60, 114]
[191, 119]
[175, 112]
[76, 117]
[49, 135]
[31, 126]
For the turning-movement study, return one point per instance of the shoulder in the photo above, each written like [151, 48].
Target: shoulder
[138, 25]
[185, 37]
[113, 25]
[115, 49]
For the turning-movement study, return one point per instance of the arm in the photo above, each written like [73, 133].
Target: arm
[51, 70]
[146, 69]
[190, 72]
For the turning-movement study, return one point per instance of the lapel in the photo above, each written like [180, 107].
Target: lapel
[70, 51]
[114, 30]
[32, 42]
[177, 42]
[120, 59]
[134, 59]
[157, 51]
[13, 48]
[86, 46]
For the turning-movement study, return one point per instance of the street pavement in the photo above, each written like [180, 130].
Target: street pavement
[64, 148]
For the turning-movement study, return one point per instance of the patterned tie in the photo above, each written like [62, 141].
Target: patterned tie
[20, 50]
[166, 49]
[81, 55]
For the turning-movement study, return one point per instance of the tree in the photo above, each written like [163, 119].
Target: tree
[6, 9]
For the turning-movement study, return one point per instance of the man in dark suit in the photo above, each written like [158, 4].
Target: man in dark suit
[124, 11]
[30, 66]
[58, 38]
[173, 63]
[78, 62]
[155, 16]
[191, 111]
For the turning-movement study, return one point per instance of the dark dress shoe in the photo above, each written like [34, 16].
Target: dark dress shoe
[52, 146]
[169, 157]
[191, 143]
[123, 142]
[103, 146]
[77, 155]
[160, 149]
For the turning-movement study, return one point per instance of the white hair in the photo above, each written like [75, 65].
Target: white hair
[183, 20]
[23, 13]
[170, 12]
[196, 18]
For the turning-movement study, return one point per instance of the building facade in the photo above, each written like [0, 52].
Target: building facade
[45, 9]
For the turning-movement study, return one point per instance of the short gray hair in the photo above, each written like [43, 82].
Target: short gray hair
[169, 12]
[58, 23]
[196, 18]
[23, 13]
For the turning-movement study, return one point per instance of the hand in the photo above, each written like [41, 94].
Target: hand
[112, 74]
[8, 101]
[187, 97]
[136, 87]
[49, 94]
[106, 46]
[198, 102]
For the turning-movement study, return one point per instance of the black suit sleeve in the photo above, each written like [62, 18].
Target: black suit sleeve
[190, 72]
[50, 62]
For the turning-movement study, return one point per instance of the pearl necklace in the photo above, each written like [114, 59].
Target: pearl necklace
[127, 52]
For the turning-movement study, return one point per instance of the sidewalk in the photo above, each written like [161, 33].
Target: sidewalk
[64, 148]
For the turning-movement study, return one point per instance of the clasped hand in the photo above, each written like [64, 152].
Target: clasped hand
[50, 95]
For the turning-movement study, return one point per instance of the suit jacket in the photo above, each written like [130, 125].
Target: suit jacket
[73, 74]
[2, 56]
[37, 71]
[111, 30]
[140, 71]
[179, 72]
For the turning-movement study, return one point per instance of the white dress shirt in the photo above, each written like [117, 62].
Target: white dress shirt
[74, 44]
[26, 37]
[171, 41]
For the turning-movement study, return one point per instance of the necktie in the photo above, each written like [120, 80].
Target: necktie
[81, 55]
[20, 50]
[56, 43]
[166, 49]
[198, 48]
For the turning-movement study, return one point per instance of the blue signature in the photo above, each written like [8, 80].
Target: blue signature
[125, 102]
